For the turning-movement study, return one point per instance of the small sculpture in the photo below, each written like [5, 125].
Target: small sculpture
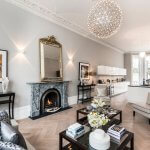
[5, 83]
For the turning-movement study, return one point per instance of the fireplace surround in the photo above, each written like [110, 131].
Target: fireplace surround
[57, 92]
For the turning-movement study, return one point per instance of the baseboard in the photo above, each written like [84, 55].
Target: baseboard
[22, 112]
[72, 100]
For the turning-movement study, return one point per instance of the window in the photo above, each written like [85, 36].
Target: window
[147, 67]
[135, 69]
[140, 69]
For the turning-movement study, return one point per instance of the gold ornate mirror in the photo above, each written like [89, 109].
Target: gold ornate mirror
[51, 59]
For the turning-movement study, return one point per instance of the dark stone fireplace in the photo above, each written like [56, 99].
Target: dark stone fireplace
[50, 101]
[47, 97]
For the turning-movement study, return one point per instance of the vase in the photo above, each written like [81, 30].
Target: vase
[5, 83]
[99, 140]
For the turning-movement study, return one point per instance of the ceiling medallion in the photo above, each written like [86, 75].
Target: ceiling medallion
[104, 18]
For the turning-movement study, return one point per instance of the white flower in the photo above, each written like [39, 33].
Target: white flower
[98, 102]
[96, 120]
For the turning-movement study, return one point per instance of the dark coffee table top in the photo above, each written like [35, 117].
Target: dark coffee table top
[83, 141]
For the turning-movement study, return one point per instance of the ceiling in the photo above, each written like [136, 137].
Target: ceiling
[134, 34]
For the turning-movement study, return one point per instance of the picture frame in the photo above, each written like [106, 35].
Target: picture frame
[84, 71]
[3, 64]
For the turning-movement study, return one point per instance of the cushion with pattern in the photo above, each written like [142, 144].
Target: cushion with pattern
[10, 134]
[4, 117]
[10, 146]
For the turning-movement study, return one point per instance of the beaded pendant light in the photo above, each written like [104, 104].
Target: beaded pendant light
[104, 18]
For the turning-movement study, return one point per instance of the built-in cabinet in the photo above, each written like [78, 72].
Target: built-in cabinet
[112, 71]
[112, 89]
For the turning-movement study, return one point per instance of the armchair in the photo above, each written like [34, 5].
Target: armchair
[143, 109]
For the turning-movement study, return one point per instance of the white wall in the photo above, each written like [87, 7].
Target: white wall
[21, 30]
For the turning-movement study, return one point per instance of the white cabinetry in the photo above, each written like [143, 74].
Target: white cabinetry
[120, 87]
[106, 70]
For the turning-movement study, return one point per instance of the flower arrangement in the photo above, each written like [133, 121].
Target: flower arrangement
[97, 102]
[96, 120]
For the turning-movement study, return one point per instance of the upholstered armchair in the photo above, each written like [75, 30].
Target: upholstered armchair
[143, 109]
[10, 137]
[102, 93]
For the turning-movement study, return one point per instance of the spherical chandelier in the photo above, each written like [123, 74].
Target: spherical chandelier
[104, 18]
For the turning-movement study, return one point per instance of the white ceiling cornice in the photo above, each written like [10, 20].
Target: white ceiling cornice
[34, 7]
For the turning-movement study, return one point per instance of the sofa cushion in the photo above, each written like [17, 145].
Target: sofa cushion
[143, 107]
[9, 146]
[10, 134]
[4, 116]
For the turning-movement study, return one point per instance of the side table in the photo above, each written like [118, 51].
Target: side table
[85, 91]
[9, 99]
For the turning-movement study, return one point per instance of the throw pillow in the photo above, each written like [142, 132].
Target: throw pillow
[9, 146]
[4, 117]
[10, 134]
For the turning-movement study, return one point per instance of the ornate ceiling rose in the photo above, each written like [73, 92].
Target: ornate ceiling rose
[104, 18]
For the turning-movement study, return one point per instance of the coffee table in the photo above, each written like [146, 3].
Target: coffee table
[82, 143]
[84, 112]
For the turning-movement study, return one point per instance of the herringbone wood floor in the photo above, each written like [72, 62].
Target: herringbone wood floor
[43, 133]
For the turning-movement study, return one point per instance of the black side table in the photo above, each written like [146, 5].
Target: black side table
[10, 97]
[85, 90]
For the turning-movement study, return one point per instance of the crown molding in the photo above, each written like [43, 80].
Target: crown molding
[34, 7]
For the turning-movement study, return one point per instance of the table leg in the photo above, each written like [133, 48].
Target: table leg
[78, 95]
[77, 116]
[133, 113]
[9, 110]
[13, 106]
[82, 95]
[60, 142]
[121, 117]
[132, 143]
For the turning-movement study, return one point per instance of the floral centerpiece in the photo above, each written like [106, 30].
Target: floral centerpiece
[97, 102]
[96, 120]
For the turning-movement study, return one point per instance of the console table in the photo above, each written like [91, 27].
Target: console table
[85, 92]
[9, 98]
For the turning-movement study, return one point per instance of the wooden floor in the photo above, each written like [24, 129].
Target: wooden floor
[43, 133]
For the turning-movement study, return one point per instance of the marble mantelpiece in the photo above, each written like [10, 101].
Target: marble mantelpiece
[39, 88]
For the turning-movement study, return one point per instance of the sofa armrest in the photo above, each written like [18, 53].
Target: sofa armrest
[14, 123]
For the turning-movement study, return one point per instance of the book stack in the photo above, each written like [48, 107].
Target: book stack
[116, 132]
[75, 130]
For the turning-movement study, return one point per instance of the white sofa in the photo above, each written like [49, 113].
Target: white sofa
[142, 108]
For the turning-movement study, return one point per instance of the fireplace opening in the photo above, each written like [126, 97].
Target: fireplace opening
[50, 101]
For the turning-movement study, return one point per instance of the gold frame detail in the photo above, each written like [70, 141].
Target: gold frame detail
[51, 40]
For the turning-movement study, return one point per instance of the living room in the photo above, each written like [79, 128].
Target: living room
[89, 67]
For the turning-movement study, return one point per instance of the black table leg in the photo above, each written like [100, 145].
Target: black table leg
[9, 110]
[13, 97]
[77, 116]
[133, 113]
[60, 142]
[121, 117]
[82, 95]
[132, 143]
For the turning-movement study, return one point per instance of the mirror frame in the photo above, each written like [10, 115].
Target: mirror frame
[51, 41]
